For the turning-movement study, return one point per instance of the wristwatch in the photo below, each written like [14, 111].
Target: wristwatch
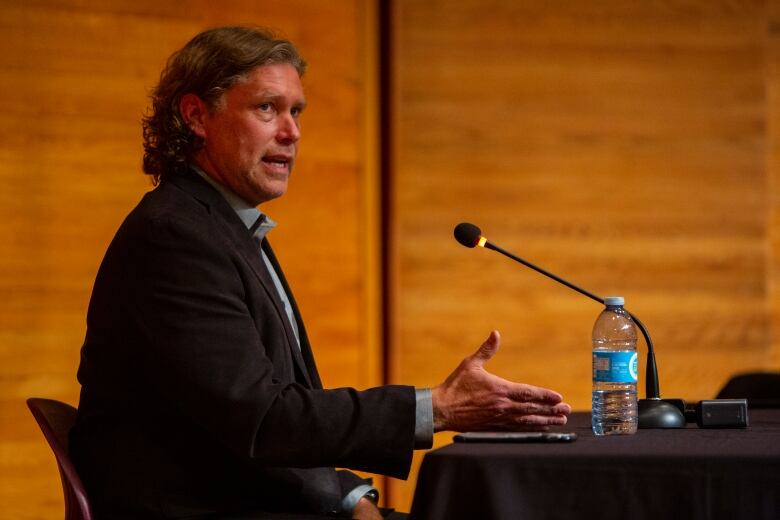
[373, 496]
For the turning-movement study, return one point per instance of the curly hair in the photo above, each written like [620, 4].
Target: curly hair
[207, 66]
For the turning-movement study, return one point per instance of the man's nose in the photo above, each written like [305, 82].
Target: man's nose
[289, 130]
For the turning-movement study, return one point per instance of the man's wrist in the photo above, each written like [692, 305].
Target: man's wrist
[366, 510]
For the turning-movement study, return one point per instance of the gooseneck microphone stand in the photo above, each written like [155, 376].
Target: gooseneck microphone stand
[654, 412]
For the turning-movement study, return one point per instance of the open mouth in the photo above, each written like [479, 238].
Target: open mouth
[278, 161]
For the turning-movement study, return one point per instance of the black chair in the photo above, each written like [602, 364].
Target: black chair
[761, 389]
[55, 420]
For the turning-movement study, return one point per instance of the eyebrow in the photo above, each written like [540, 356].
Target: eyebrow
[272, 95]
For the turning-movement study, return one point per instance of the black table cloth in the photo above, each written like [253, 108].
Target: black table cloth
[690, 473]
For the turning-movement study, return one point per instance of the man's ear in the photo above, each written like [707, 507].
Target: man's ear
[194, 111]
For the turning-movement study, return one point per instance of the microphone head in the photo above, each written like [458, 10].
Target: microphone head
[467, 234]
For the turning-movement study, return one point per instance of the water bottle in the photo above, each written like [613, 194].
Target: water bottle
[614, 371]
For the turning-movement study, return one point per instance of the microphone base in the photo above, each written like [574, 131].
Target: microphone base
[658, 413]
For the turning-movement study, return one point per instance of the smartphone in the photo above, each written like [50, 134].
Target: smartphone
[516, 437]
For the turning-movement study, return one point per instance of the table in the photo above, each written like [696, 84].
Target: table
[689, 473]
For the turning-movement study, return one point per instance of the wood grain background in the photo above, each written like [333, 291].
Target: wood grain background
[632, 147]
[74, 79]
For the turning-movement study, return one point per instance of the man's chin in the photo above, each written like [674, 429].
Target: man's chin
[270, 193]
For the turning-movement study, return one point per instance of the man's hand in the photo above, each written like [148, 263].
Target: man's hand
[472, 399]
[366, 510]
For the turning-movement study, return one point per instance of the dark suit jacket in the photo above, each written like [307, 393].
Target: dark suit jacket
[195, 396]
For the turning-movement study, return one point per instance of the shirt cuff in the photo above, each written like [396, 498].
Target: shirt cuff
[423, 419]
[350, 501]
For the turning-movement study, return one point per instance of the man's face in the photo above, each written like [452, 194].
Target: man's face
[251, 136]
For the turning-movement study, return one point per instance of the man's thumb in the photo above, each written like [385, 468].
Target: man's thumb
[488, 349]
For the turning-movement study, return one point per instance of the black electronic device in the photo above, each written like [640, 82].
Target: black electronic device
[654, 412]
[722, 413]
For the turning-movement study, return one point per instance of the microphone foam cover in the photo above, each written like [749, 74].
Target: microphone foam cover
[467, 234]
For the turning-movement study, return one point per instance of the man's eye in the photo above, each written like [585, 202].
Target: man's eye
[264, 107]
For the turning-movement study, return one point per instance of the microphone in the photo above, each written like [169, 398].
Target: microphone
[653, 411]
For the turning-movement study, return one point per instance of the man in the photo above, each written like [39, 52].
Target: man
[200, 395]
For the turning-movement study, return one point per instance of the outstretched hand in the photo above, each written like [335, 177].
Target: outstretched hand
[473, 399]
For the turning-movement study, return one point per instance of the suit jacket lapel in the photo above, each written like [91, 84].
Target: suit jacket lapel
[305, 350]
[245, 244]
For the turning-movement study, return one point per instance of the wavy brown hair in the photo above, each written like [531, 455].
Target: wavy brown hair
[207, 66]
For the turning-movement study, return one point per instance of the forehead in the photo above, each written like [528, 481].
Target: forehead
[276, 78]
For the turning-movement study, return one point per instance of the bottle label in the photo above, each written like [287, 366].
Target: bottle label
[615, 366]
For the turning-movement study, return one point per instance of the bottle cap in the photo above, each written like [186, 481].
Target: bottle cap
[614, 300]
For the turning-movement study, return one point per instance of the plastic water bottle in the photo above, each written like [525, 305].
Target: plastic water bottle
[614, 371]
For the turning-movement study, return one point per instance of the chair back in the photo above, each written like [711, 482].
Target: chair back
[55, 419]
[761, 389]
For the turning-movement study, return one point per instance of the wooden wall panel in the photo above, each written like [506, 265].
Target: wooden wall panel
[622, 145]
[773, 166]
[74, 77]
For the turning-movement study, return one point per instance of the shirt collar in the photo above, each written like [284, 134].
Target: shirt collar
[254, 219]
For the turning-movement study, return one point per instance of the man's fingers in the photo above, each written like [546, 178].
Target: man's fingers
[521, 392]
[520, 409]
[522, 422]
[488, 349]
[544, 409]
[535, 421]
